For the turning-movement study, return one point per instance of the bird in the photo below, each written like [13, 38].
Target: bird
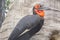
[29, 22]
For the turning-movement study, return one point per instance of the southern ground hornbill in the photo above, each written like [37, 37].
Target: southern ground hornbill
[30, 21]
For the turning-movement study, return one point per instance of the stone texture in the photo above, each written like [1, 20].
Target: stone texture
[22, 8]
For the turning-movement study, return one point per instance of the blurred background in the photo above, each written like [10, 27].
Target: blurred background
[11, 11]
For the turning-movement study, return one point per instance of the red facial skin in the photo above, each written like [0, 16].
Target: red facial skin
[39, 12]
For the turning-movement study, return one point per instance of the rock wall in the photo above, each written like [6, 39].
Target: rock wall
[22, 8]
